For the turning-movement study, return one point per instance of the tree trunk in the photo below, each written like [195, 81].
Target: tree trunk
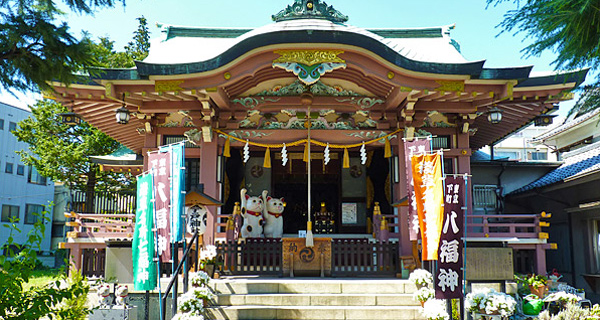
[89, 190]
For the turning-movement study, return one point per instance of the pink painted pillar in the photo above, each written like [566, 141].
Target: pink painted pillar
[540, 259]
[208, 177]
[401, 192]
[75, 258]
[464, 165]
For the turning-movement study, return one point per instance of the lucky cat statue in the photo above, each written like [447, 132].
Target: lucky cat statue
[252, 210]
[273, 216]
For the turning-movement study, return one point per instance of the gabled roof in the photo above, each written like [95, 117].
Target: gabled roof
[568, 124]
[576, 163]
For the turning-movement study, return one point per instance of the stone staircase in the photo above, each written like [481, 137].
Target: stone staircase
[314, 298]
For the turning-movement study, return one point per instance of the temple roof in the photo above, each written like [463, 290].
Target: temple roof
[576, 164]
[189, 45]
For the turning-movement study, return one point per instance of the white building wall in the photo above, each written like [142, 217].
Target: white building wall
[15, 190]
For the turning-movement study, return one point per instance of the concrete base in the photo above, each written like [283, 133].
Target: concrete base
[114, 313]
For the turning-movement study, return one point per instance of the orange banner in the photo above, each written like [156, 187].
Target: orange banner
[429, 193]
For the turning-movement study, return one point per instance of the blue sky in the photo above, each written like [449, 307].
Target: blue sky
[475, 30]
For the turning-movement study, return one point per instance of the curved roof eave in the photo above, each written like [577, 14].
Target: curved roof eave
[303, 36]
[577, 77]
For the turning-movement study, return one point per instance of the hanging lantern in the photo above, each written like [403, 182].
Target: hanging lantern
[494, 115]
[70, 118]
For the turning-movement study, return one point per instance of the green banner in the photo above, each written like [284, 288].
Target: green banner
[143, 251]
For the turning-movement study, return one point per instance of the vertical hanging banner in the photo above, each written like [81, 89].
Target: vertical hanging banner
[448, 284]
[177, 189]
[144, 271]
[160, 165]
[411, 148]
[429, 194]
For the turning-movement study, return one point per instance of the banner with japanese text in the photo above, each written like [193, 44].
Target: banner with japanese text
[410, 148]
[160, 166]
[177, 189]
[143, 253]
[429, 194]
[448, 284]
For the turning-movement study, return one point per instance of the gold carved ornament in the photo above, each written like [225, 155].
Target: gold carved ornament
[309, 57]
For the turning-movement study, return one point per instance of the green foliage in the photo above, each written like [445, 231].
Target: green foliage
[534, 280]
[106, 56]
[36, 47]
[455, 309]
[43, 301]
[570, 28]
[61, 152]
[588, 101]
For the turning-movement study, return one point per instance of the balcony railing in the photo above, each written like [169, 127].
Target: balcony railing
[104, 202]
[93, 225]
[523, 226]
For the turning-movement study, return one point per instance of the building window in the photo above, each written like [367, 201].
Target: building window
[9, 213]
[537, 155]
[8, 168]
[484, 196]
[1, 124]
[33, 213]
[34, 176]
[192, 173]
[12, 126]
[21, 170]
[174, 139]
[58, 230]
[440, 142]
[511, 155]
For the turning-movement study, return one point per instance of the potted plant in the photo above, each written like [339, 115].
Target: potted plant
[423, 294]
[421, 278]
[553, 278]
[435, 309]
[489, 304]
[559, 300]
[208, 260]
[537, 284]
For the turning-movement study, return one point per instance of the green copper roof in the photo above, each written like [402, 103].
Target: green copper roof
[310, 9]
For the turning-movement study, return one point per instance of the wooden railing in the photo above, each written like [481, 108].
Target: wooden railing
[361, 257]
[92, 225]
[504, 226]
[252, 256]
[104, 202]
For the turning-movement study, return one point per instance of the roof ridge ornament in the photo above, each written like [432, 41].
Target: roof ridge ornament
[309, 9]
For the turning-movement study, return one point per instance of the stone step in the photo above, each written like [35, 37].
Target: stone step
[316, 299]
[332, 286]
[315, 312]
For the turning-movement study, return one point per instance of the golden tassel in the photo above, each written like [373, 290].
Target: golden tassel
[387, 149]
[309, 234]
[226, 150]
[346, 161]
[305, 158]
[267, 162]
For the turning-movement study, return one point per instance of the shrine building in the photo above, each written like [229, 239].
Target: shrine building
[242, 100]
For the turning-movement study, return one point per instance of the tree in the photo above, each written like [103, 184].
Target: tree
[137, 49]
[36, 48]
[571, 28]
[54, 300]
[61, 152]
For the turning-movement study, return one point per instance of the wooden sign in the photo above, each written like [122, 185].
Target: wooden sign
[489, 264]
[298, 259]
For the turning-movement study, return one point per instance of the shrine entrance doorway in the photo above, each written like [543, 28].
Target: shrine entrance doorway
[290, 182]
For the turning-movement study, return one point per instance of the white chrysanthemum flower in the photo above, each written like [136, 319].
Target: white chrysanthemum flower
[421, 277]
[435, 309]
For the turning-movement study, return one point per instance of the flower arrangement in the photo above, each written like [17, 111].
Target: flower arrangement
[562, 298]
[199, 279]
[435, 309]
[191, 304]
[490, 302]
[208, 255]
[421, 278]
[423, 294]
[534, 280]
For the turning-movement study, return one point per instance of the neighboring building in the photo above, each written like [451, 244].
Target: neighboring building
[23, 191]
[571, 194]
[519, 146]
[240, 93]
